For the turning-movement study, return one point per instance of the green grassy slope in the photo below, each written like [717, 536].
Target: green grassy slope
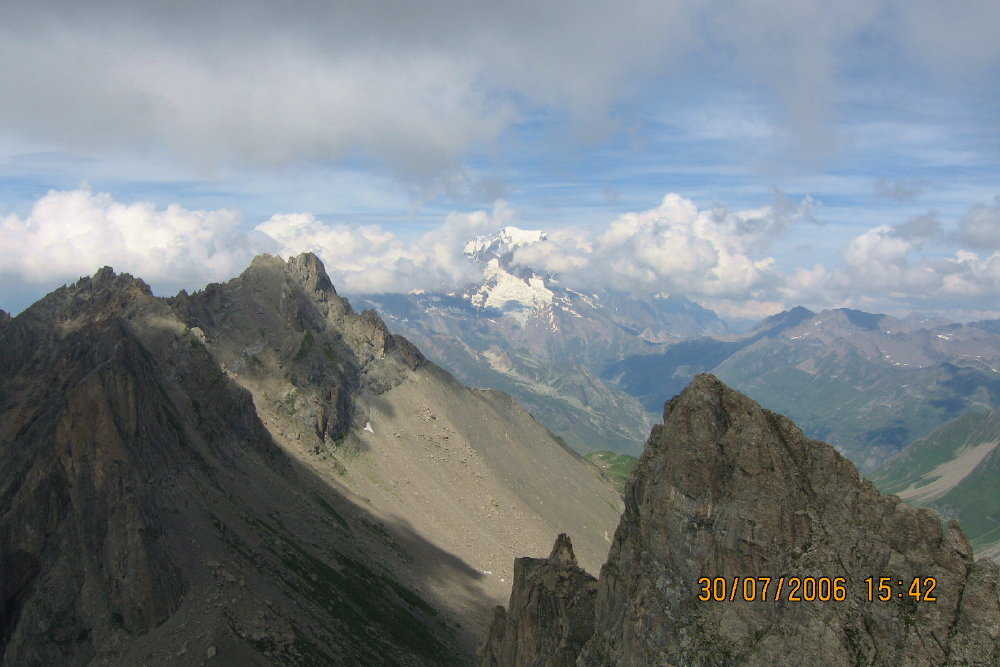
[615, 467]
[973, 495]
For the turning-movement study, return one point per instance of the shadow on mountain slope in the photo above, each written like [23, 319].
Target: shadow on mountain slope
[149, 517]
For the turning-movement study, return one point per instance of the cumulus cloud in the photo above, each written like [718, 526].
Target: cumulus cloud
[675, 247]
[371, 259]
[68, 234]
[716, 256]
[422, 85]
[881, 258]
[885, 267]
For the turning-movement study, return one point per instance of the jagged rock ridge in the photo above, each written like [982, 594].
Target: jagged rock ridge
[147, 516]
[199, 479]
[728, 489]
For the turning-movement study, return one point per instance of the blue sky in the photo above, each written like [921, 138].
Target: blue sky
[390, 126]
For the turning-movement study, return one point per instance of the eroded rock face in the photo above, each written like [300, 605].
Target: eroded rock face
[146, 514]
[728, 489]
[281, 330]
[551, 613]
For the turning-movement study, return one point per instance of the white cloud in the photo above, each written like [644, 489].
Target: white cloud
[880, 259]
[969, 274]
[68, 234]
[371, 259]
[885, 267]
[712, 255]
[675, 247]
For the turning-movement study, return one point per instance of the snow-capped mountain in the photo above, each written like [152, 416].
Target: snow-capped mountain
[505, 286]
[523, 294]
[522, 331]
[501, 288]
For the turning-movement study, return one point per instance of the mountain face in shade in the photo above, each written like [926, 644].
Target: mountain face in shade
[728, 489]
[256, 474]
[149, 518]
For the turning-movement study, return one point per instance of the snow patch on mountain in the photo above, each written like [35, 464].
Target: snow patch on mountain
[501, 288]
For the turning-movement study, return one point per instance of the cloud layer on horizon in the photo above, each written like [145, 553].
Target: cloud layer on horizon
[717, 257]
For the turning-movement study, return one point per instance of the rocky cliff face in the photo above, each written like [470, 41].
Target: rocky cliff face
[469, 470]
[282, 331]
[551, 612]
[256, 474]
[148, 517]
[727, 489]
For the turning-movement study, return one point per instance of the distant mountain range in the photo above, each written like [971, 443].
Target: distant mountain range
[595, 366]
[869, 384]
[521, 331]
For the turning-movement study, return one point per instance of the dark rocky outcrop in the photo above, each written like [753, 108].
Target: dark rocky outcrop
[146, 514]
[551, 613]
[728, 489]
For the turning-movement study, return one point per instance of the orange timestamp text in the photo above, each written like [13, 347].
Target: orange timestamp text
[812, 589]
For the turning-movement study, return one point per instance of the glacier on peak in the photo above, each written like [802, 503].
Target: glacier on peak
[504, 286]
[500, 288]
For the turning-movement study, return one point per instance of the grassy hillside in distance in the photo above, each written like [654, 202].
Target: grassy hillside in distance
[920, 459]
[615, 467]
[955, 470]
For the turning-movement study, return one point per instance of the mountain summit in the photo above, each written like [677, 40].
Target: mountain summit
[785, 533]
[257, 474]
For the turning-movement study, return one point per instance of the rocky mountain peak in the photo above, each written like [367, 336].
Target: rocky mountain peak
[103, 296]
[562, 552]
[310, 272]
[106, 279]
[4, 316]
[734, 493]
[551, 612]
[305, 270]
[786, 319]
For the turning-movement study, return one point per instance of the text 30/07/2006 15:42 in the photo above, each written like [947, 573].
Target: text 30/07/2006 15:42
[813, 589]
